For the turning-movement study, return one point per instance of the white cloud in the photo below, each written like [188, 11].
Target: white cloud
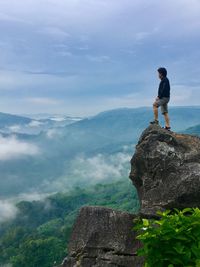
[11, 18]
[8, 210]
[140, 36]
[184, 95]
[91, 170]
[14, 128]
[31, 196]
[35, 123]
[151, 33]
[94, 168]
[99, 59]
[55, 32]
[58, 118]
[20, 80]
[181, 94]
[42, 101]
[11, 148]
[130, 100]
[52, 133]
[65, 53]
[83, 47]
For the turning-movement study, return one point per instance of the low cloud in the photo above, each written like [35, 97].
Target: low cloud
[100, 167]
[58, 118]
[34, 123]
[8, 210]
[85, 171]
[14, 128]
[12, 148]
[32, 196]
[53, 133]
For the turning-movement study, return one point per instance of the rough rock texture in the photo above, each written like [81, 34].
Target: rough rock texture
[103, 237]
[166, 170]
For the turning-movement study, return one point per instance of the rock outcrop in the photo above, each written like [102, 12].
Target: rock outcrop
[166, 170]
[103, 237]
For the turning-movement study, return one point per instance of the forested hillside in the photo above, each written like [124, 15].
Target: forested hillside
[40, 232]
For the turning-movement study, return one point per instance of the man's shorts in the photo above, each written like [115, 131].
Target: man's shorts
[163, 104]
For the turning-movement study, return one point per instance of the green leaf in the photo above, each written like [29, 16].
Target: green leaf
[173, 240]
[145, 222]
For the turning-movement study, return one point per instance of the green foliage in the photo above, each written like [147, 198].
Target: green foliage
[40, 232]
[39, 252]
[50, 228]
[171, 241]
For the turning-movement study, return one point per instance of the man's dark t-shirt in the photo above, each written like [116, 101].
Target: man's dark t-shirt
[164, 88]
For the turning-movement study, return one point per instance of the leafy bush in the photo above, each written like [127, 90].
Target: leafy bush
[171, 241]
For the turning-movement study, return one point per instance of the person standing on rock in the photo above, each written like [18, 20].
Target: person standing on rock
[162, 99]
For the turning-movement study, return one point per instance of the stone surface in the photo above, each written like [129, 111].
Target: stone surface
[166, 170]
[103, 237]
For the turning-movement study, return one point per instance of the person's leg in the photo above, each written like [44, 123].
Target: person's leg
[167, 121]
[164, 110]
[155, 111]
[156, 105]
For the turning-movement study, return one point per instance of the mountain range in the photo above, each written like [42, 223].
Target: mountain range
[80, 151]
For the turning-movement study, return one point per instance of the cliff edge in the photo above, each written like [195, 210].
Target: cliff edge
[165, 169]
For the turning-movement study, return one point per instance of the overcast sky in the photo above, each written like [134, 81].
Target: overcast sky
[80, 57]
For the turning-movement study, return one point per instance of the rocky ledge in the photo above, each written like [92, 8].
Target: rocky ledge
[166, 170]
[103, 237]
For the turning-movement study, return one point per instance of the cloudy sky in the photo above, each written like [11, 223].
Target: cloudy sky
[80, 57]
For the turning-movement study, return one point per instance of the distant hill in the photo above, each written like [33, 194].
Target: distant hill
[9, 120]
[126, 124]
[33, 124]
[81, 152]
[195, 130]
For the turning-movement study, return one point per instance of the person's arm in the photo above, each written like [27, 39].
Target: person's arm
[159, 92]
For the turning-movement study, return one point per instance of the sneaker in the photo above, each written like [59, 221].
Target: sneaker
[154, 122]
[167, 128]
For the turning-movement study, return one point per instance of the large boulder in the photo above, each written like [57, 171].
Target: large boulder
[166, 170]
[103, 237]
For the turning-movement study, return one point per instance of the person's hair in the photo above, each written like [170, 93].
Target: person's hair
[162, 71]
